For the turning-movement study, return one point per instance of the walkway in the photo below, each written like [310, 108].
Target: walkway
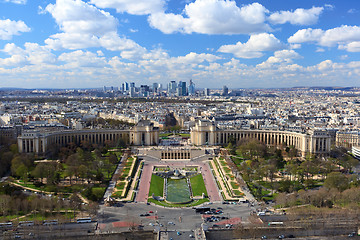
[112, 183]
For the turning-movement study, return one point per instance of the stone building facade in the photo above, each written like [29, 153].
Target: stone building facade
[144, 133]
[347, 138]
[313, 141]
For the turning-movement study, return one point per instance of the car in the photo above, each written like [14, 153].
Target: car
[352, 234]
[264, 237]
[141, 215]
[171, 223]
[151, 212]
[281, 237]
[191, 236]
[146, 214]
[178, 233]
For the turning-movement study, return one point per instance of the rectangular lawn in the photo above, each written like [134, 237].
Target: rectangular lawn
[156, 186]
[198, 185]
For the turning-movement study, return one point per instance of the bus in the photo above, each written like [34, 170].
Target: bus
[275, 223]
[83, 220]
[26, 223]
[6, 225]
[50, 222]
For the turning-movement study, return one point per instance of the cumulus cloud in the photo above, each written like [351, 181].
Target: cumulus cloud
[298, 17]
[346, 37]
[84, 26]
[9, 28]
[351, 47]
[138, 7]
[254, 47]
[283, 57]
[81, 58]
[32, 54]
[213, 17]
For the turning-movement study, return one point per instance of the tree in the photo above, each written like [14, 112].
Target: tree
[113, 158]
[39, 171]
[336, 180]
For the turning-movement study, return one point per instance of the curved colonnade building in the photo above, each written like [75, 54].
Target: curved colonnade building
[313, 142]
[144, 133]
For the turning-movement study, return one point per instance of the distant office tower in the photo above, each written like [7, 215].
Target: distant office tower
[207, 92]
[104, 88]
[183, 88]
[225, 91]
[132, 84]
[191, 89]
[125, 87]
[155, 87]
[132, 92]
[172, 87]
[144, 90]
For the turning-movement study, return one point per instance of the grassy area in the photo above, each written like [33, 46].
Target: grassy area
[121, 185]
[165, 204]
[162, 169]
[238, 193]
[226, 170]
[156, 186]
[198, 185]
[117, 194]
[234, 185]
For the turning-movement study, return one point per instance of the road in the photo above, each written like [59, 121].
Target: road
[184, 219]
[50, 231]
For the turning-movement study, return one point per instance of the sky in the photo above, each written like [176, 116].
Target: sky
[240, 44]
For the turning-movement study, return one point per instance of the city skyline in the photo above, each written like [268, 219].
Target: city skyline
[242, 44]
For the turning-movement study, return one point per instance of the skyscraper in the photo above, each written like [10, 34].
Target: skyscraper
[191, 89]
[225, 91]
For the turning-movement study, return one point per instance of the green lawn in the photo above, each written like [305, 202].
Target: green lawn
[227, 170]
[234, 185]
[198, 185]
[238, 193]
[156, 186]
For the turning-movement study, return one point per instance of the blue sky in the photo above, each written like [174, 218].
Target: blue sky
[241, 44]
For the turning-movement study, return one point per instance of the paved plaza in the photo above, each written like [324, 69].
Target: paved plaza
[209, 181]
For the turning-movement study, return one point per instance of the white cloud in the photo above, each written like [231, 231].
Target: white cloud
[85, 26]
[213, 17]
[80, 17]
[298, 17]
[80, 58]
[138, 7]
[351, 47]
[254, 47]
[283, 57]
[325, 65]
[9, 28]
[345, 36]
[32, 54]
[17, 1]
